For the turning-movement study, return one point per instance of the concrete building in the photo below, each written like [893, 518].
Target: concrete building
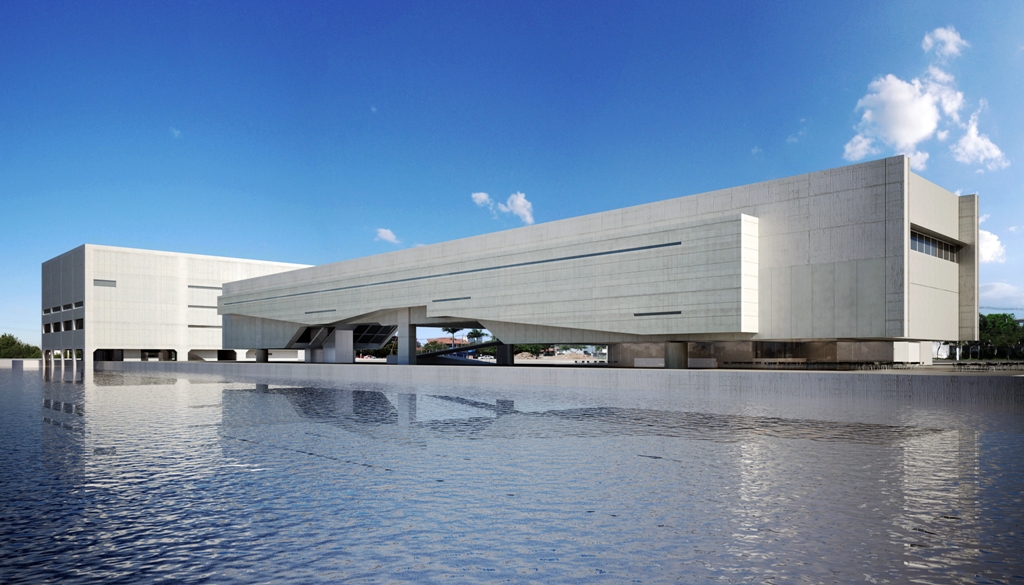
[868, 262]
[106, 303]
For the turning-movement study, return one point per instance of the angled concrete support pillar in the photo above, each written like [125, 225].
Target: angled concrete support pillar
[406, 339]
[506, 354]
[677, 355]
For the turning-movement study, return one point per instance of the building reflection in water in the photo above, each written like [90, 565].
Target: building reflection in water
[918, 487]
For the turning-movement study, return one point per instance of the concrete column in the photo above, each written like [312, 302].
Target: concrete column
[344, 351]
[262, 355]
[406, 339]
[677, 355]
[505, 354]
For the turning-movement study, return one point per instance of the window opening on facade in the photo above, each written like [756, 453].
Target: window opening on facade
[46, 311]
[46, 327]
[101, 282]
[79, 324]
[55, 309]
[79, 304]
[56, 327]
[66, 307]
[934, 247]
[68, 326]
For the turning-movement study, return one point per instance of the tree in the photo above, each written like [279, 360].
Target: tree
[12, 347]
[1000, 331]
[452, 331]
[475, 335]
[432, 347]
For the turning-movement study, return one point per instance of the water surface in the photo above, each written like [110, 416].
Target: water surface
[148, 478]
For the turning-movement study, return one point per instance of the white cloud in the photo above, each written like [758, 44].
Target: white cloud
[1001, 294]
[946, 42]
[903, 114]
[756, 150]
[990, 249]
[373, 109]
[984, 217]
[1016, 228]
[387, 236]
[518, 205]
[858, 147]
[175, 132]
[975, 148]
[898, 113]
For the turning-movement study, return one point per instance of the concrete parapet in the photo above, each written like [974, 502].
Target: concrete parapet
[1003, 388]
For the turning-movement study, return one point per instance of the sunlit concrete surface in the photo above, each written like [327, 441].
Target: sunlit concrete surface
[831, 256]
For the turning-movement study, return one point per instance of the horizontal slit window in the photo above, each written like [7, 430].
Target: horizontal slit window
[204, 327]
[101, 282]
[66, 307]
[205, 287]
[202, 306]
[451, 299]
[46, 311]
[657, 313]
[321, 311]
[79, 304]
[55, 309]
[934, 247]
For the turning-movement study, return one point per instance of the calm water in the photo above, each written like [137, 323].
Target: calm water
[129, 479]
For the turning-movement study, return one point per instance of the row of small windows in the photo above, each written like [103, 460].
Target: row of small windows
[57, 327]
[934, 247]
[60, 308]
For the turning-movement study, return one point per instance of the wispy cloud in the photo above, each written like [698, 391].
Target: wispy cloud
[1001, 294]
[516, 204]
[175, 132]
[901, 115]
[975, 148]
[946, 42]
[799, 134]
[387, 235]
[756, 150]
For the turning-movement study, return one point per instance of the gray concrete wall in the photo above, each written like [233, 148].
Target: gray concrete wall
[831, 262]
[140, 299]
[968, 268]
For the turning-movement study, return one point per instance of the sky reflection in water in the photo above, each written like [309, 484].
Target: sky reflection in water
[130, 478]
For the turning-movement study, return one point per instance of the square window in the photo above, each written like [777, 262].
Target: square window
[67, 326]
[56, 327]
[79, 324]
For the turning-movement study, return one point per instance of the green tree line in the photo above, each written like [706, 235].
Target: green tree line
[12, 347]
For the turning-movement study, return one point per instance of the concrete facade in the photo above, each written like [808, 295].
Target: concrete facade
[825, 256]
[135, 304]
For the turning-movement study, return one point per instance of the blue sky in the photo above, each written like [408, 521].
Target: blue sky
[298, 131]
